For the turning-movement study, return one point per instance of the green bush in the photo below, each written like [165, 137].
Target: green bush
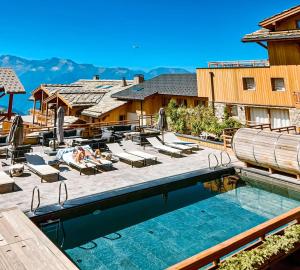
[273, 245]
[197, 120]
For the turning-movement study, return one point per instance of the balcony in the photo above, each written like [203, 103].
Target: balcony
[242, 63]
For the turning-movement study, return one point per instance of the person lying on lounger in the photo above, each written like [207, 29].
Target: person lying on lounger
[80, 155]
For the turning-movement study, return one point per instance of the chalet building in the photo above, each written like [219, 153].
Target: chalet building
[148, 97]
[10, 85]
[260, 91]
[75, 97]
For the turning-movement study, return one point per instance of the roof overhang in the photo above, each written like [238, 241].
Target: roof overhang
[265, 35]
[271, 21]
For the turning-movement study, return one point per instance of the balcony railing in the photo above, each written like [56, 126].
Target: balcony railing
[242, 63]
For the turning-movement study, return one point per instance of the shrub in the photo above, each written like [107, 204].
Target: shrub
[197, 120]
[272, 246]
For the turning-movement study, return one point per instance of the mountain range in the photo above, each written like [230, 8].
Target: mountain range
[32, 73]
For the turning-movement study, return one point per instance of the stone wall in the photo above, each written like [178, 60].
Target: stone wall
[241, 112]
[294, 117]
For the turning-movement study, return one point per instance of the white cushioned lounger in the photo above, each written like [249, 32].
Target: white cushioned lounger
[159, 146]
[69, 160]
[38, 165]
[121, 154]
[138, 153]
[171, 138]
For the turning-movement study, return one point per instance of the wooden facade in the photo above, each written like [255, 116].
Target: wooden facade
[274, 87]
[149, 106]
[226, 85]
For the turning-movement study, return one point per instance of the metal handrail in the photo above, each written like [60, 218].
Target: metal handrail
[59, 194]
[32, 199]
[221, 158]
[209, 161]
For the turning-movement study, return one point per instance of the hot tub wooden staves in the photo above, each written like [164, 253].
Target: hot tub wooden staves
[272, 150]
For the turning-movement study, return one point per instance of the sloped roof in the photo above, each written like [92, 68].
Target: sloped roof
[9, 82]
[166, 84]
[267, 35]
[106, 104]
[280, 16]
[74, 95]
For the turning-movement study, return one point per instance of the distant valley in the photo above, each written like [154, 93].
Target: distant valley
[56, 70]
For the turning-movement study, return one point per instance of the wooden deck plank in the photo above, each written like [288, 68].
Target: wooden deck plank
[24, 246]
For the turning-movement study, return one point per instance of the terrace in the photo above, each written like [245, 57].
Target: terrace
[92, 187]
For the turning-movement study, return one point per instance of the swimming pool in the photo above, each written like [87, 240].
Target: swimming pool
[161, 230]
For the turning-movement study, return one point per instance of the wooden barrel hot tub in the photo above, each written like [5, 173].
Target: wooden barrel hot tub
[268, 149]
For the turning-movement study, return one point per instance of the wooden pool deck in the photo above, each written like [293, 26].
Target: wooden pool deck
[24, 246]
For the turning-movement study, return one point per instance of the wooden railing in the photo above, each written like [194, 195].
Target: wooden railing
[90, 129]
[211, 257]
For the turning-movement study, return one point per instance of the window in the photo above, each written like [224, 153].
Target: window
[277, 84]
[122, 117]
[298, 24]
[199, 102]
[249, 83]
[181, 102]
[166, 101]
[232, 110]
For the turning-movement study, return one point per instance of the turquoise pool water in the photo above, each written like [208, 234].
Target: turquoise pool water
[159, 231]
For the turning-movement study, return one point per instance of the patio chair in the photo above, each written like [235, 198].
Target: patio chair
[163, 148]
[170, 137]
[17, 154]
[122, 155]
[39, 166]
[138, 153]
[178, 146]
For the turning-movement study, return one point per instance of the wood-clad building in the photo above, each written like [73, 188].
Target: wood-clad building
[260, 91]
[149, 96]
[10, 85]
[74, 98]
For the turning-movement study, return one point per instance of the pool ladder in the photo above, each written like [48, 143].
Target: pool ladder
[36, 194]
[56, 226]
[220, 163]
[60, 202]
[32, 209]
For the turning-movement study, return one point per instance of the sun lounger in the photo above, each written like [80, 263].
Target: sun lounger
[38, 165]
[170, 137]
[86, 164]
[116, 151]
[178, 146]
[163, 148]
[66, 155]
[138, 153]
[6, 183]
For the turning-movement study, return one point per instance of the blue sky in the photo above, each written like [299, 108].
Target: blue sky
[137, 34]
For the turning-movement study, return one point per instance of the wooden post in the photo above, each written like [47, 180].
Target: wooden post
[141, 120]
[42, 102]
[10, 103]
[212, 89]
[46, 113]
[33, 115]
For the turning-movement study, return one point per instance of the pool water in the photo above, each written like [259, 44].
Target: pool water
[159, 231]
